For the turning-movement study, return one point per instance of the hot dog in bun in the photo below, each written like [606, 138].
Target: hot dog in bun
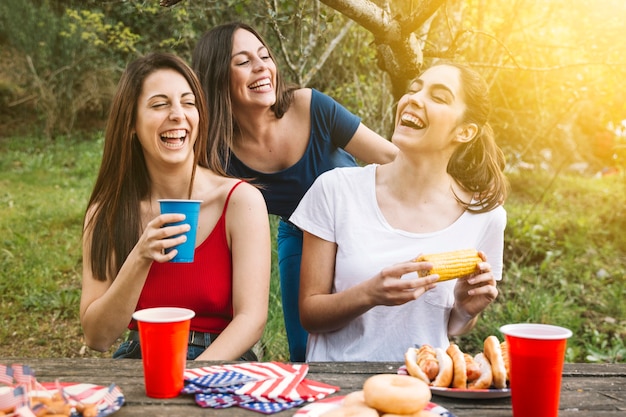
[431, 365]
[486, 376]
[469, 372]
[493, 352]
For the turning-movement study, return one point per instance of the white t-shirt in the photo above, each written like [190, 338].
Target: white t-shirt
[341, 207]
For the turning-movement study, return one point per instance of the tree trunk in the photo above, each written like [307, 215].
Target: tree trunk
[395, 27]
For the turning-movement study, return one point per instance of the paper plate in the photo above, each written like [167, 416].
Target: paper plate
[318, 408]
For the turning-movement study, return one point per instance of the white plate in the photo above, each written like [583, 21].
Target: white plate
[318, 408]
[474, 394]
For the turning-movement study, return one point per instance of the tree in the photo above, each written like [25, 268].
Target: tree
[398, 27]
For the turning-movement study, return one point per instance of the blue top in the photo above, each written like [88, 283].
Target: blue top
[332, 127]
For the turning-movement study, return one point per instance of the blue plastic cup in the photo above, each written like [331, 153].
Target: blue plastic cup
[191, 209]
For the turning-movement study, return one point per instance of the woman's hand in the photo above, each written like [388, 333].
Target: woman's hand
[156, 238]
[472, 295]
[390, 287]
[324, 310]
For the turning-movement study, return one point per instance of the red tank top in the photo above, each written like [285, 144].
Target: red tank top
[204, 286]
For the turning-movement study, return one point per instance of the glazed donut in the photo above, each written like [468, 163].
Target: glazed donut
[354, 398]
[422, 413]
[351, 411]
[396, 394]
[493, 352]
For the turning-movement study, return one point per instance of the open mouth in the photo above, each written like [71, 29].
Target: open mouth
[174, 139]
[261, 85]
[412, 121]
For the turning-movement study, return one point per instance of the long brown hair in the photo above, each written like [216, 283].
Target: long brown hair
[123, 180]
[478, 165]
[211, 60]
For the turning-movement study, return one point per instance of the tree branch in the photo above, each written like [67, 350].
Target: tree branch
[414, 21]
[322, 59]
[367, 14]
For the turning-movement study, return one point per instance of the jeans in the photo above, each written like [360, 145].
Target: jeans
[130, 349]
[289, 244]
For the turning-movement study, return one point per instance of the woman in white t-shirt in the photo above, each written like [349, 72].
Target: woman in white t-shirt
[360, 297]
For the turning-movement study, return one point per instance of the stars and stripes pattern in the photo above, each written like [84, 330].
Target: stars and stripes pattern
[6, 375]
[20, 383]
[264, 387]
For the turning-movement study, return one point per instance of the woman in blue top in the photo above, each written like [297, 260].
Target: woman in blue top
[280, 137]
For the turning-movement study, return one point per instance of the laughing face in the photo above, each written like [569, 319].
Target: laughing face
[252, 72]
[430, 114]
[167, 117]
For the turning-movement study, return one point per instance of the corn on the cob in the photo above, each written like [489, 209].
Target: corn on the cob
[450, 265]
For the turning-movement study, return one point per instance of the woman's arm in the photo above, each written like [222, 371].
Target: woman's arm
[369, 147]
[106, 307]
[321, 310]
[471, 296]
[247, 225]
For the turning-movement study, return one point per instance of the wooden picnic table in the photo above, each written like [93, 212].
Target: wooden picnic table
[588, 390]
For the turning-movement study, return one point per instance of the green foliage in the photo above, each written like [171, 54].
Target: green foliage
[564, 257]
[105, 37]
[68, 76]
[77, 50]
[564, 263]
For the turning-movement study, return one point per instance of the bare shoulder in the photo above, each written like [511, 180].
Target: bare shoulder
[246, 208]
[244, 194]
[302, 100]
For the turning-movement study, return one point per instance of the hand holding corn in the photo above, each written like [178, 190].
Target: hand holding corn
[450, 265]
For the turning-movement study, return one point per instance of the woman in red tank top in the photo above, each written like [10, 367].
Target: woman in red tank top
[156, 147]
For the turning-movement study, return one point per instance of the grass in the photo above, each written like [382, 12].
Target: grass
[565, 257]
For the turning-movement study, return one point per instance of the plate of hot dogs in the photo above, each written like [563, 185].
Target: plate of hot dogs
[453, 373]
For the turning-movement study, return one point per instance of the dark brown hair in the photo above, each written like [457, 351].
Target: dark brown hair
[123, 180]
[478, 165]
[211, 60]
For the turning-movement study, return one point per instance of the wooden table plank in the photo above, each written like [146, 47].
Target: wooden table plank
[589, 390]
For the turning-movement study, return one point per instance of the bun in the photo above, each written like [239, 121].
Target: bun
[472, 368]
[504, 347]
[432, 365]
[486, 375]
[493, 352]
[460, 368]
[444, 377]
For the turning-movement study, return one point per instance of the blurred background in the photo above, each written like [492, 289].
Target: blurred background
[557, 72]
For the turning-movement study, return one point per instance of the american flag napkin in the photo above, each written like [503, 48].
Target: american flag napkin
[265, 387]
[18, 384]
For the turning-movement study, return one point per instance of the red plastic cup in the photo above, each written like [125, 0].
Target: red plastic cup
[163, 335]
[536, 356]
